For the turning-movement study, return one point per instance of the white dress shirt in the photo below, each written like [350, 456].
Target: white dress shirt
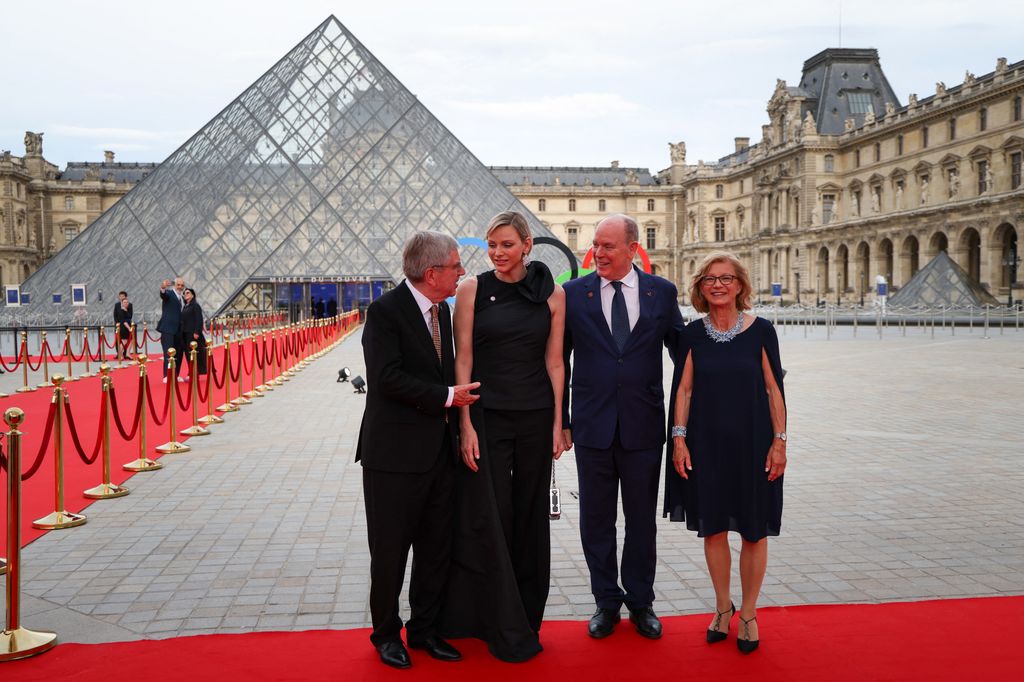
[425, 305]
[630, 291]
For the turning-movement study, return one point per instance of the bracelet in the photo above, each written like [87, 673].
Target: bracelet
[679, 431]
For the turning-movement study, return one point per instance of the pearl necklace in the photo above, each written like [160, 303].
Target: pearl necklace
[726, 336]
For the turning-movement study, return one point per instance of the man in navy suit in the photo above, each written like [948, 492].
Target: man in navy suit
[617, 321]
[169, 326]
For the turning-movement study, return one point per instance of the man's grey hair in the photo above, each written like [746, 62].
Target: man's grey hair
[632, 229]
[424, 250]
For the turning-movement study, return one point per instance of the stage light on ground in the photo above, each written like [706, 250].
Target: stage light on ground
[359, 385]
[343, 374]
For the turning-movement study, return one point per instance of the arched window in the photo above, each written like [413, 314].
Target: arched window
[542, 204]
[650, 204]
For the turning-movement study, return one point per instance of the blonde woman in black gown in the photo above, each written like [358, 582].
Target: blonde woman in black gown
[728, 441]
[509, 323]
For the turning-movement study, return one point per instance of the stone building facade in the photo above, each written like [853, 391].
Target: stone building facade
[43, 208]
[847, 185]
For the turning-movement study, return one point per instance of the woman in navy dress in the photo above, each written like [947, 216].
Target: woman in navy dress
[728, 438]
[508, 336]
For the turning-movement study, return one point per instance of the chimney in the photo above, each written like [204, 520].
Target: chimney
[742, 143]
[108, 157]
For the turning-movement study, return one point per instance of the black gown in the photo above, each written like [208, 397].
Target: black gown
[729, 433]
[501, 556]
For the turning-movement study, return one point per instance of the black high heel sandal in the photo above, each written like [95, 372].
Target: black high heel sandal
[747, 645]
[716, 635]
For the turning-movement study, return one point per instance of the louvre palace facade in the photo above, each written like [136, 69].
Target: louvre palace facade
[846, 184]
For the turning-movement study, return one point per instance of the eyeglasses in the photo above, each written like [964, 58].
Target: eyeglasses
[726, 280]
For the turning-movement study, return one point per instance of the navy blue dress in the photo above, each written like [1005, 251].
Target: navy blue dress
[729, 433]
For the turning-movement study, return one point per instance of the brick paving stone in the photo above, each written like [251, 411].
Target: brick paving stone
[902, 485]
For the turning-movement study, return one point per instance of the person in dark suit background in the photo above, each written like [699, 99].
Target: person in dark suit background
[618, 320]
[192, 330]
[169, 326]
[408, 446]
[123, 312]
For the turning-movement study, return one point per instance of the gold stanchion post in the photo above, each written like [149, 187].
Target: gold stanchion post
[265, 385]
[210, 417]
[172, 411]
[279, 379]
[195, 429]
[101, 338]
[85, 353]
[59, 517]
[228, 405]
[143, 463]
[67, 352]
[24, 365]
[46, 361]
[15, 641]
[106, 489]
[135, 343]
[243, 398]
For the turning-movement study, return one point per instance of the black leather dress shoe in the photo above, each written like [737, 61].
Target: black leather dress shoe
[394, 654]
[647, 624]
[437, 648]
[602, 623]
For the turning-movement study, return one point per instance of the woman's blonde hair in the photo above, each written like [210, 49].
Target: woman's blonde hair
[697, 299]
[517, 221]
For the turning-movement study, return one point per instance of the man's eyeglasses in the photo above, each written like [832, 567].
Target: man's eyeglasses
[726, 280]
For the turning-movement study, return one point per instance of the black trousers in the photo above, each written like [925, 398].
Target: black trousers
[176, 342]
[601, 472]
[406, 511]
[519, 447]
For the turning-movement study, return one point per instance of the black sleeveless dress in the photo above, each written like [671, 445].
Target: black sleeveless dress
[501, 554]
[729, 433]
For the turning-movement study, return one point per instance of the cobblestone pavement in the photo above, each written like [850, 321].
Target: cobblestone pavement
[905, 482]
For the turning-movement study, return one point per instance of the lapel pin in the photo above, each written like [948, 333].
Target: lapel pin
[492, 298]
[590, 294]
[650, 293]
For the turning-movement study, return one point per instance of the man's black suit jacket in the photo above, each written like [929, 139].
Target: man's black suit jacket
[170, 313]
[406, 388]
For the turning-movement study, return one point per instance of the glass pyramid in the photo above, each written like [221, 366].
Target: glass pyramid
[942, 283]
[320, 169]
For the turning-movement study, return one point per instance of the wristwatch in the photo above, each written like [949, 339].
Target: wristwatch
[781, 436]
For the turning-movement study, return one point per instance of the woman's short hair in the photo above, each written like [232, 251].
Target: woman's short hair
[191, 291]
[697, 299]
[517, 221]
[424, 250]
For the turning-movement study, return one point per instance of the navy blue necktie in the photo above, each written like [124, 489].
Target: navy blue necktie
[620, 318]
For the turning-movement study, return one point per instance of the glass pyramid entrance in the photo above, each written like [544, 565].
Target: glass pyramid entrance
[317, 172]
[942, 282]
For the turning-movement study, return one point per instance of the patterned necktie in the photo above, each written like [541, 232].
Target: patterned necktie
[620, 318]
[435, 330]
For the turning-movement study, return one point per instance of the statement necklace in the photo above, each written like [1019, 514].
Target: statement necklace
[726, 336]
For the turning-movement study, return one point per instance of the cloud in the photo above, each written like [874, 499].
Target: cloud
[120, 133]
[572, 107]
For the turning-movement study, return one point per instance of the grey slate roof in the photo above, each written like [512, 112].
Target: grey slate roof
[109, 172]
[832, 75]
[570, 175]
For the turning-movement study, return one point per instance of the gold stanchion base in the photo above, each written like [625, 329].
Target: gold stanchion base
[105, 491]
[70, 378]
[254, 393]
[142, 464]
[86, 375]
[241, 400]
[211, 419]
[22, 643]
[25, 389]
[59, 519]
[227, 407]
[3, 395]
[194, 431]
[263, 388]
[172, 446]
[46, 385]
[276, 382]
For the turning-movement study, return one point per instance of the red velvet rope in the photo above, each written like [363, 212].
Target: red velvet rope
[167, 401]
[74, 434]
[212, 368]
[202, 382]
[259, 359]
[148, 334]
[38, 364]
[53, 358]
[177, 394]
[241, 357]
[236, 367]
[136, 420]
[11, 368]
[81, 356]
[47, 432]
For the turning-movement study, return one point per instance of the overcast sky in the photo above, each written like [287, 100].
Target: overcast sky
[529, 82]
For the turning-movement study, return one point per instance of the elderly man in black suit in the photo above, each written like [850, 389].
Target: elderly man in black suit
[408, 445]
[169, 326]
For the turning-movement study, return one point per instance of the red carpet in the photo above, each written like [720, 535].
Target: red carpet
[934, 640]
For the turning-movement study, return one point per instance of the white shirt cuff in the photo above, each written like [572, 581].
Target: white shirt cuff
[451, 396]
